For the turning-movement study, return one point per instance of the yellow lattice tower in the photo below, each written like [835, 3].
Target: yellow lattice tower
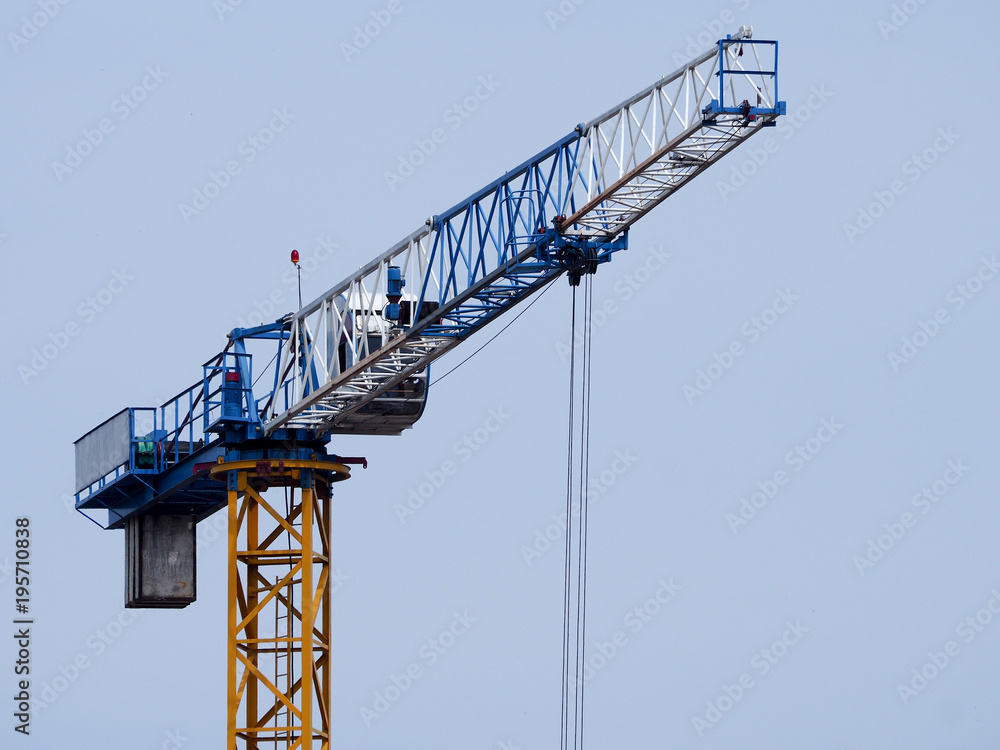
[279, 602]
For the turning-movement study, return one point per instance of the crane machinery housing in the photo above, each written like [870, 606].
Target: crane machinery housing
[355, 361]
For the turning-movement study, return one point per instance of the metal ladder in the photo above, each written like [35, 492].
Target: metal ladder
[284, 647]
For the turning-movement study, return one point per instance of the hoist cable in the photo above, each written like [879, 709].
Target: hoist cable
[584, 510]
[575, 558]
[567, 561]
[578, 569]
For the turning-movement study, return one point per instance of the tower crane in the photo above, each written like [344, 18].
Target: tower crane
[355, 361]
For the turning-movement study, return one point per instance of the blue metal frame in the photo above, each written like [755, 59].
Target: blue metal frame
[718, 106]
[171, 445]
[513, 223]
[164, 444]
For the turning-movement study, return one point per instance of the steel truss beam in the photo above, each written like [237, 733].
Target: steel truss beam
[483, 256]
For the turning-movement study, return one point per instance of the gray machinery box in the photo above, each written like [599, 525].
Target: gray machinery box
[159, 561]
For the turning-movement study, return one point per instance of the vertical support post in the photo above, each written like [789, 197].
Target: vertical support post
[250, 592]
[233, 614]
[325, 660]
[722, 82]
[308, 620]
[775, 76]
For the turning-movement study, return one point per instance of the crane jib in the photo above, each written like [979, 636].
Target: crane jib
[356, 358]
[487, 253]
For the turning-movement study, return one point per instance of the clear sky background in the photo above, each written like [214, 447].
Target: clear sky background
[873, 208]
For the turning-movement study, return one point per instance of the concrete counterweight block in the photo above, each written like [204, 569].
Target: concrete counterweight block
[159, 561]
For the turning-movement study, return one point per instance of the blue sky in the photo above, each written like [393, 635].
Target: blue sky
[850, 253]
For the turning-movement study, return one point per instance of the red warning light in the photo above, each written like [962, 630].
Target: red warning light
[295, 257]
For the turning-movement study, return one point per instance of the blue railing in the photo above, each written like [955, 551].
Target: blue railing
[156, 439]
[165, 435]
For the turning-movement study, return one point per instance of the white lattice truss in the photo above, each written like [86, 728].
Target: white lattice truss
[482, 257]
